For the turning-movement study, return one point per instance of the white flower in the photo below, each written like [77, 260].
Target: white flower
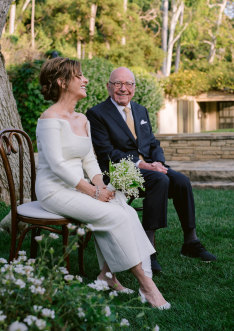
[39, 238]
[53, 236]
[22, 258]
[124, 322]
[2, 316]
[22, 253]
[156, 328]
[80, 231]
[124, 176]
[3, 269]
[63, 270]
[38, 281]
[107, 311]
[79, 279]
[17, 326]
[2, 260]
[109, 275]
[19, 269]
[31, 261]
[10, 276]
[20, 283]
[127, 291]
[90, 227]
[30, 319]
[41, 324]
[69, 277]
[113, 294]
[48, 313]
[71, 226]
[28, 269]
[81, 312]
[37, 308]
[37, 290]
[99, 285]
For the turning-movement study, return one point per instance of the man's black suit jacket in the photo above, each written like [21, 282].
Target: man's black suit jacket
[113, 140]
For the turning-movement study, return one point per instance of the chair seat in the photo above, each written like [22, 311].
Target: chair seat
[34, 209]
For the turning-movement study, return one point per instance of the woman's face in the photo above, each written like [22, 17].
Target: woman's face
[77, 86]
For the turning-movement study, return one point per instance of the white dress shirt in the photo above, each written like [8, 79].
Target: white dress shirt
[123, 114]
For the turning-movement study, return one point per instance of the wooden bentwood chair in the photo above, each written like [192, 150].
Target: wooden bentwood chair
[15, 141]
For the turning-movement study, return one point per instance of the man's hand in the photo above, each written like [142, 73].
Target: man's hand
[158, 166]
[155, 166]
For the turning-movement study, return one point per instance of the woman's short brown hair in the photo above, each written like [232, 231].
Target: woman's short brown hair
[53, 69]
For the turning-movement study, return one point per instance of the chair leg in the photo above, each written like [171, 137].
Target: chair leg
[65, 233]
[13, 246]
[34, 245]
[81, 256]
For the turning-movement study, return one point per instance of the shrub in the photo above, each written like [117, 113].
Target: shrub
[31, 103]
[187, 82]
[193, 82]
[149, 94]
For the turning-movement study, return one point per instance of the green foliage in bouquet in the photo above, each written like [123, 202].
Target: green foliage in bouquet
[125, 177]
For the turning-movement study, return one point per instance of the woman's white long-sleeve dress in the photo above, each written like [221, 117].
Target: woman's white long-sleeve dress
[62, 159]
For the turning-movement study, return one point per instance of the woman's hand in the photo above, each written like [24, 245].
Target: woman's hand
[105, 195]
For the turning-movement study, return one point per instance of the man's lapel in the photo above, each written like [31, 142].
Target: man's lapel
[114, 113]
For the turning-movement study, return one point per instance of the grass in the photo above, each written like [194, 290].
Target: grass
[200, 293]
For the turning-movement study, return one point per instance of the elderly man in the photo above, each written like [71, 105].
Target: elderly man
[121, 128]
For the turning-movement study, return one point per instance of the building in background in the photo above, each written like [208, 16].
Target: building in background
[207, 112]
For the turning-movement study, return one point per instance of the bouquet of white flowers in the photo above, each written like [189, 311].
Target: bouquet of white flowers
[125, 177]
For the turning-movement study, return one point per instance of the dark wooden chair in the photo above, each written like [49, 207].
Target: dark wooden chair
[15, 141]
[130, 201]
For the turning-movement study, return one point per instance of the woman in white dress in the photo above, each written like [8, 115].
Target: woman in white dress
[64, 153]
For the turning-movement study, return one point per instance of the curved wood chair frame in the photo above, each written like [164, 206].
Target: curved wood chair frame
[15, 141]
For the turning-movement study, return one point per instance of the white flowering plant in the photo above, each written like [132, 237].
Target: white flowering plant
[40, 294]
[126, 177]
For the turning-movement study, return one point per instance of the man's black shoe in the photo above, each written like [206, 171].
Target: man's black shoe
[154, 264]
[196, 249]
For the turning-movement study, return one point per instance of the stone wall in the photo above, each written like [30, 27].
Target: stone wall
[197, 146]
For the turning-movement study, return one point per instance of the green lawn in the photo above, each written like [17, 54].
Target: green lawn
[200, 293]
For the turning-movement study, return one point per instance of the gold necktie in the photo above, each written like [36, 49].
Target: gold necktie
[130, 124]
[129, 121]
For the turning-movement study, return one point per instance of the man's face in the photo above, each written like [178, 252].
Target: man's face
[123, 93]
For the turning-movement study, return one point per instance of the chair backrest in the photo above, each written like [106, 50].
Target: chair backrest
[14, 144]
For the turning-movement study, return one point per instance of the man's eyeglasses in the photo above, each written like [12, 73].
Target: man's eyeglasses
[120, 84]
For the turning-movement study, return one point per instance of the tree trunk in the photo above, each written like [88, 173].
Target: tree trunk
[32, 24]
[9, 117]
[176, 11]
[164, 34]
[78, 49]
[212, 53]
[178, 47]
[12, 18]
[125, 7]
[92, 28]
[25, 5]
[83, 50]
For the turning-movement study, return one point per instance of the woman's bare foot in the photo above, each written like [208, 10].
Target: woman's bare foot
[112, 282]
[152, 293]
